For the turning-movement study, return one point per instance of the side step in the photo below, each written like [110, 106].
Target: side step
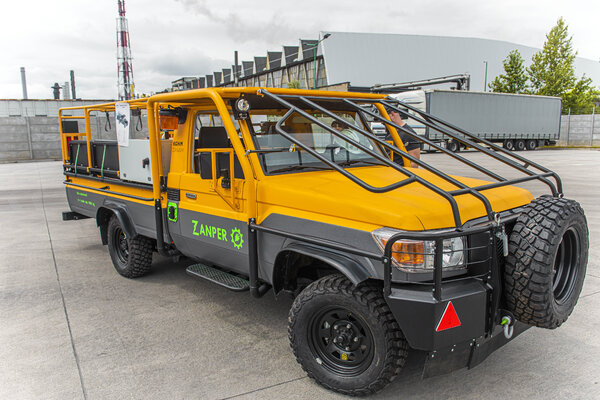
[225, 279]
[72, 216]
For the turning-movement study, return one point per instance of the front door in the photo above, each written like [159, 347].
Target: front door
[211, 222]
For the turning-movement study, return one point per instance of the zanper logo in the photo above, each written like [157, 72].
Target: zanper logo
[237, 238]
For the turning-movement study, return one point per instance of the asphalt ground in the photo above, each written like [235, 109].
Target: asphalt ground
[72, 328]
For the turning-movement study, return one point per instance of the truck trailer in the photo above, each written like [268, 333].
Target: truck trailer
[516, 121]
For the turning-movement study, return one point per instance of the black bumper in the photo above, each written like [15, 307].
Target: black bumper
[419, 313]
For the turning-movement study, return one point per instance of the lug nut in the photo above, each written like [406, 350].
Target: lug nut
[347, 348]
[355, 339]
[334, 340]
[348, 326]
[335, 327]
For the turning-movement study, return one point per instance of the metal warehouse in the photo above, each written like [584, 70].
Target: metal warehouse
[347, 60]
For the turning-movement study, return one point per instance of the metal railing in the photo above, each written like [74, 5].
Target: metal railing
[500, 154]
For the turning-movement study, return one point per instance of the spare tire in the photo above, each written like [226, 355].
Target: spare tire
[547, 260]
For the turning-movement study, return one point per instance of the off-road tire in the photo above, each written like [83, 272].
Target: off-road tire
[138, 260]
[546, 264]
[366, 304]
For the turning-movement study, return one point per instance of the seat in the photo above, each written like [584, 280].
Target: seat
[214, 137]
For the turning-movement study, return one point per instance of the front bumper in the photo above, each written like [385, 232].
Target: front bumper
[419, 313]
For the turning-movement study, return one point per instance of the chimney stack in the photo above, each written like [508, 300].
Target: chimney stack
[73, 95]
[24, 83]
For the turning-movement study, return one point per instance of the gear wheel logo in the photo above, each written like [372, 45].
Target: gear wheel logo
[237, 238]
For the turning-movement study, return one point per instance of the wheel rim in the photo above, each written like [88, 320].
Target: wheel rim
[509, 145]
[520, 145]
[121, 246]
[341, 341]
[566, 266]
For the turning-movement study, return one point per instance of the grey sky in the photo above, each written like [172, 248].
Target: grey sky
[173, 38]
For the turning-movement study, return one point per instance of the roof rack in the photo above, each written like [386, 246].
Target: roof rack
[429, 120]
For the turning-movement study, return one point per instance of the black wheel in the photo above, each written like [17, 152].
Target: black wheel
[509, 144]
[453, 146]
[545, 268]
[345, 337]
[531, 144]
[520, 145]
[132, 257]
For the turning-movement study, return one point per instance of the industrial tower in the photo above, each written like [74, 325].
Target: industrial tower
[124, 65]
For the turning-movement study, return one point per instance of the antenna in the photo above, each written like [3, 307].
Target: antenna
[124, 66]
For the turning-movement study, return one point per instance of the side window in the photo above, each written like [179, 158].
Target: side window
[212, 144]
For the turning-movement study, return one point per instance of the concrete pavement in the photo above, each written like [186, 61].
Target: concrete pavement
[72, 328]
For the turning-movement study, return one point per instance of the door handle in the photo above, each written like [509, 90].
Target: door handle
[191, 196]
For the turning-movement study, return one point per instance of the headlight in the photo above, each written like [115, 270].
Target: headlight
[418, 255]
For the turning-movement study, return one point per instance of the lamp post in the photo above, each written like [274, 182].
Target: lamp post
[315, 47]
[485, 79]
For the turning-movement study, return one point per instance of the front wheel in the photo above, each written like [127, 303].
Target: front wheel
[345, 337]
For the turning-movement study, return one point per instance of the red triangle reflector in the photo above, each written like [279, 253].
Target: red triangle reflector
[449, 319]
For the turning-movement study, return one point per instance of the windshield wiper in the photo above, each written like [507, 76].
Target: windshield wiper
[351, 162]
[298, 168]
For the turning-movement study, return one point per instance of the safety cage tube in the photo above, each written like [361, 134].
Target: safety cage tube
[508, 158]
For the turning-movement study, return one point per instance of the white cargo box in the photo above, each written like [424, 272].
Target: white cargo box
[134, 160]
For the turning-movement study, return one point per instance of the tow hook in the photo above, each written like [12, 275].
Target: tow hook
[508, 324]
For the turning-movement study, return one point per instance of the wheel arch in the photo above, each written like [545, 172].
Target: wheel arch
[105, 212]
[285, 270]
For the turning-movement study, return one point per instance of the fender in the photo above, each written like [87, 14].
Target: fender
[120, 210]
[352, 269]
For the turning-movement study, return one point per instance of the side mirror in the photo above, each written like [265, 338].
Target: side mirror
[226, 181]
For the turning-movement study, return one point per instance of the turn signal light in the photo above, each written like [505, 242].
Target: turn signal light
[168, 122]
[408, 252]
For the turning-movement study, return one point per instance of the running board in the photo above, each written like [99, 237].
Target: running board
[222, 278]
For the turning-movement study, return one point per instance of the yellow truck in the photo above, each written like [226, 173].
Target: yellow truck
[290, 190]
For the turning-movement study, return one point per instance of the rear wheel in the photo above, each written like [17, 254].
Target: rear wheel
[520, 145]
[545, 268]
[345, 337]
[453, 146]
[132, 257]
[509, 145]
[531, 144]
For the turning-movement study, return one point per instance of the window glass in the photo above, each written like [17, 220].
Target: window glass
[278, 154]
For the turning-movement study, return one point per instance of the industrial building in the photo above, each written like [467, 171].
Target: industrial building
[358, 61]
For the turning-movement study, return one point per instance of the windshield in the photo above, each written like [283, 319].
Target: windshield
[278, 154]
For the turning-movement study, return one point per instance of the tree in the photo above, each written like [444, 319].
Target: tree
[552, 72]
[515, 78]
[581, 98]
[294, 84]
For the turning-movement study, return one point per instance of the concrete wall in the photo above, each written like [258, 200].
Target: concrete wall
[38, 138]
[576, 130]
[29, 138]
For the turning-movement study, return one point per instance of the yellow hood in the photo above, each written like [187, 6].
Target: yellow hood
[329, 197]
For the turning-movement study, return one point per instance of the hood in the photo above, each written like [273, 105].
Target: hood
[329, 197]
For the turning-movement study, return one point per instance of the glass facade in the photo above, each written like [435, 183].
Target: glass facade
[301, 73]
